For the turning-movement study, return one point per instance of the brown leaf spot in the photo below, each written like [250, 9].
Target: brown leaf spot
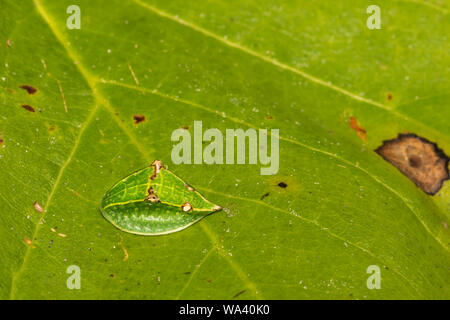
[8, 42]
[359, 130]
[29, 89]
[418, 159]
[1, 141]
[389, 96]
[269, 118]
[28, 107]
[185, 127]
[138, 118]
[27, 241]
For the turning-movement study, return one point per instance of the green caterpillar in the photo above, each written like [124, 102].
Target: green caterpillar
[154, 201]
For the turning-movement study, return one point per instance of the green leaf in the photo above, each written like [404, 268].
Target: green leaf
[303, 67]
[154, 201]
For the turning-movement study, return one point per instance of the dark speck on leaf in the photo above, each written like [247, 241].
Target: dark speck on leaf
[264, 195]
[389, 96]
[282, 185]
[29, 89]
[28, 107]
[138, 118]
[238, 294]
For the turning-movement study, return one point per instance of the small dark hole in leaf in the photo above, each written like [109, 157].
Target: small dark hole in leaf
[28, 107]
[282, 185]
[29, 89]
[419, 159]
[138, 118]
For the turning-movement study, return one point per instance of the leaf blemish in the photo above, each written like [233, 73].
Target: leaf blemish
[28, 108]
[389, 96]
[358, 129]
[138, 118]
[264, 195]
[29, 89]
[37, 207]
[418, 159]
[238, 294]
[282, 185]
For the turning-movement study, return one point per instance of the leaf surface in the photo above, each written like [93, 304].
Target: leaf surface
[303, 67]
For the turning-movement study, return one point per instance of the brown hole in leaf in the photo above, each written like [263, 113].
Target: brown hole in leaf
[418, 159]
[359, 130]
[28, 107]
[282, 185]
[29, 89]
[264, 195]
[138, 118]
[389, 96]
